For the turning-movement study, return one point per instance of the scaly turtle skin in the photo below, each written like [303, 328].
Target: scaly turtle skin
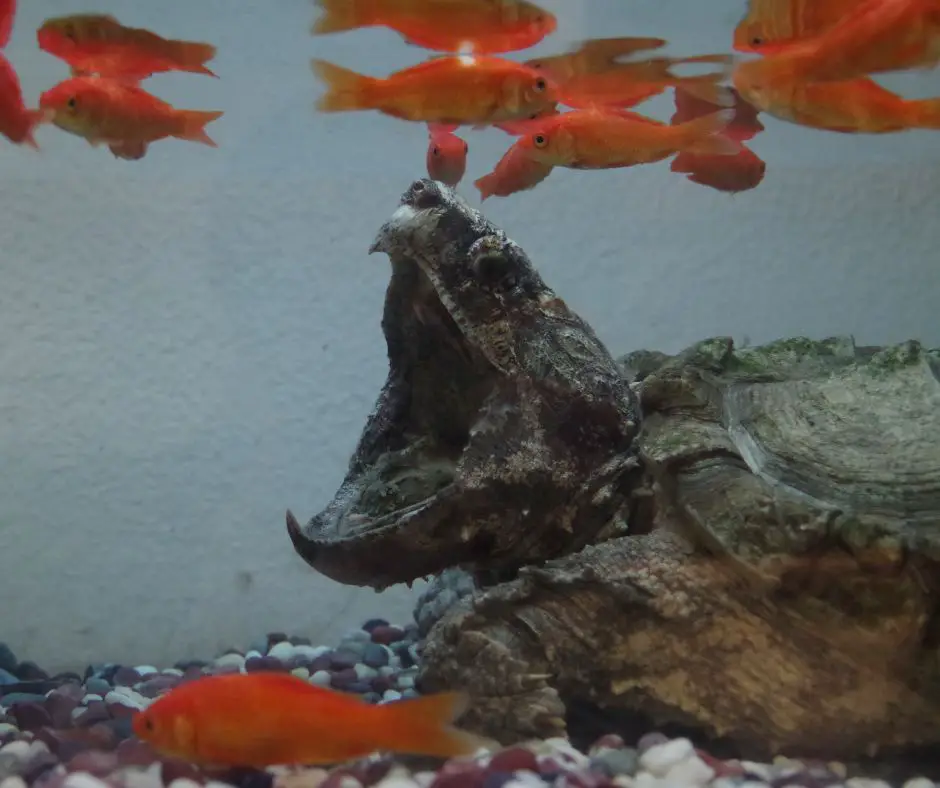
[759, 562]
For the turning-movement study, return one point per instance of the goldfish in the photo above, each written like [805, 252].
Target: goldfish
[447, 154]
[593, 74]
[451, 89]
[7, 15]
[879, 36]
[852, 106]
[17, 122]
[99, 44]
[740, 172]
[479, 27]
[110, 111]
[516, 171]
[263, 719]
[770, 25]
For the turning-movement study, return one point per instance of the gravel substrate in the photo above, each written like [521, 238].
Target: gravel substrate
[73, 731]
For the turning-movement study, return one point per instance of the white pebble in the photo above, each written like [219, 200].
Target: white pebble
[405, 681]
[645, 780]
[13, 781]
[321, 678]
[662, 757]
[559, 746]
[130, 699]
[146, 670]
[172, 672]
[83, 780]
[919, 782]
[524, 778]
[282, 651]
[19, 749]
[623, 781]
[692, 771]
[396, 781]
[301, 673]
[391, 694]
[90, 697]
[763, 770]
[865, 782]
[388, 670]
[230, 661]
[423, 779]
[217, 784]
[310, 652]
[7, 728]
[364, 672]
[184, 782]
[253, 654]
[357, 636]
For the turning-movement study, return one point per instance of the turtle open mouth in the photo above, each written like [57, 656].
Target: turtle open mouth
[473, 448]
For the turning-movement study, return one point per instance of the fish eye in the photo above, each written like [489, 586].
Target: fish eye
[756, 41]
[72, 103]
[539, 140]
[69, 32]
[540, 84]
[435, 151]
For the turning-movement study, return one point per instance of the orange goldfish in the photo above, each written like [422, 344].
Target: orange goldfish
[468, 26]
[879, 36]
[110, 111]
[852, 106]
[516, 171]
[7, 15]
[451, 89]
[603, 138]
[770, 25]
[737, 173]
[99, 44]
[264, 719]
[17, 123]
[447, 154]
[593, 74]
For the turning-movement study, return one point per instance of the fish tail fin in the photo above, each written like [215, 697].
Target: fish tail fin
[193, 56]
[423, 726]
[486, 185]
[194, 123]
[704, 135]
[339, 16]
[706, 88]
[35, 117]
[925, 113]
[346, 90]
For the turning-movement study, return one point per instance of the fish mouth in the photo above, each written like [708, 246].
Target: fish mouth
[427, 487]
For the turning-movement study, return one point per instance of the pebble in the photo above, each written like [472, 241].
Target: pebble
[321, 678]
[659, 759]
[230, 660]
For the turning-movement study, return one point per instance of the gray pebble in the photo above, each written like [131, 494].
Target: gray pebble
[172, 672]
[7, 678]
[22, 697]
[321, 678]
[8, 660]
[310, 652]
[230, 661]
[614, 762]
[364, 672]
[132, 700]
[410, 693]
[252, 653]
[375, 655]
[146, 670]
[357, 636]
[282, 651]
[391, 695]
[96, 686]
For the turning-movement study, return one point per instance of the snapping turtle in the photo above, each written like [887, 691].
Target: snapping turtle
[741, 541]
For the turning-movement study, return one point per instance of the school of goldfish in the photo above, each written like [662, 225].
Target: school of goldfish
[808, 62]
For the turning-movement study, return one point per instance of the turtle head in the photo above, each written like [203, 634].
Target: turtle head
[503, 433]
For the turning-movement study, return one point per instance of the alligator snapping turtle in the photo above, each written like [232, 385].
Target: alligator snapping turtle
[757, 558]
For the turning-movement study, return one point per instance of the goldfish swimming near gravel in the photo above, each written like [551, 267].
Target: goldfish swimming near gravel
[17, 122]
[447, 154]
[116, 112]
[7, 15]
[480, 27]
[593, 73]
[450, 89]
[264, 719]
[601, 138]
[99, 44]
[878, 36]
[770, 25]
[852, 106]
[740, 172]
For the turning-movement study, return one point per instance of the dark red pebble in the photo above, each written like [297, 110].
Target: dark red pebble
[381, 683]
[30, 716]
[577, 778]
[97, 762]
[496, 779]
[134, 752]
[372, 623]
[171, 768]
[50, 778]
[60, 705]
[341, 659]
[335, 778]
[720, 767]
[120, 711]
[323, 662]
[41, 762]
[125, 677]
[193, 672]
[30, 671]
[512, 759]
[651, 740]
[96, 711]
[247, 778]
[386, 634]
[343, 678]
[459, 774]
[373, 771]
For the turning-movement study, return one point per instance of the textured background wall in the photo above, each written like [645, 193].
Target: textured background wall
[191, 342]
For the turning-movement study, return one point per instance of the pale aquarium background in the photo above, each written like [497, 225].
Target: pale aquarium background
[191, 342]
